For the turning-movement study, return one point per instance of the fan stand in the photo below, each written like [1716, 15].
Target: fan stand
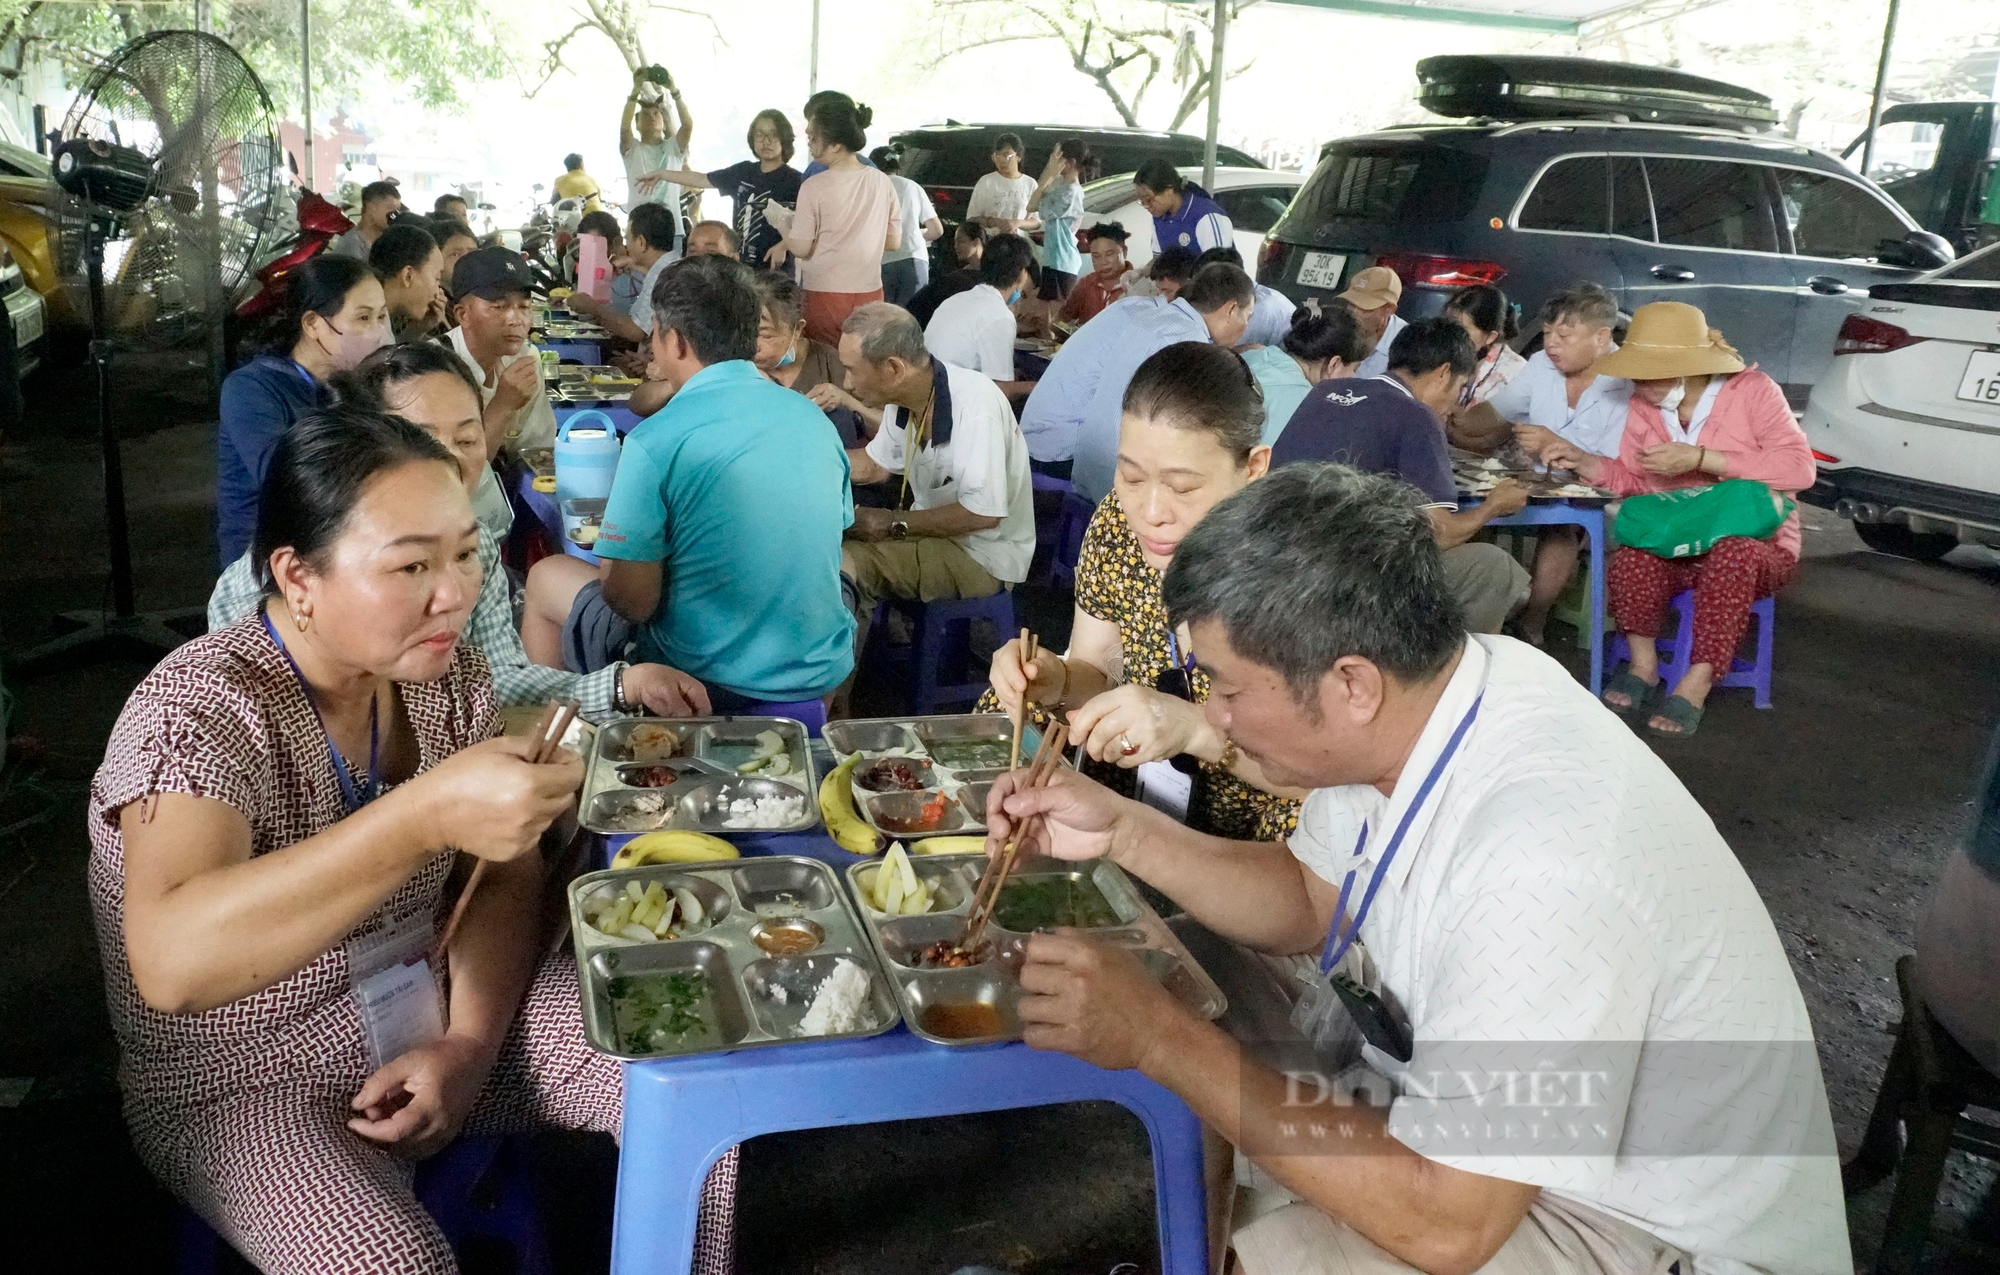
[125, 633]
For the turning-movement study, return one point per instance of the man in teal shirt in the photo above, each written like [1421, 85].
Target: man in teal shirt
[721, 539]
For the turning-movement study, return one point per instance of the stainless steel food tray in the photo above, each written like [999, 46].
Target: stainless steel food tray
[940, 744]
[708, 751]
[759, 999]
[996, 982]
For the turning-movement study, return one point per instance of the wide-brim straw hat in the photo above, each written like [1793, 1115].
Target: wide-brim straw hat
[1669, 339]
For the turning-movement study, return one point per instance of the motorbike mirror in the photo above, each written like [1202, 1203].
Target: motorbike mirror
[1917, 250]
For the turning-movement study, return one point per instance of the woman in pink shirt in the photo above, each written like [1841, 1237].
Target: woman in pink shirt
[847, 217]
[1728, 422]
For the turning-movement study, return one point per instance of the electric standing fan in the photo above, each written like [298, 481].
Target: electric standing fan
[165, 177]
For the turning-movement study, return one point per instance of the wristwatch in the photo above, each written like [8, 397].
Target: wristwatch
[899, 528]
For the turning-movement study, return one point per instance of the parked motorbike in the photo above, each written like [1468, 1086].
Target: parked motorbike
[319, 223]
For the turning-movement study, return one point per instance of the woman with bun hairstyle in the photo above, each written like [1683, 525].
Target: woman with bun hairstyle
[1324, 342]
[1489, 319]
[848, 217]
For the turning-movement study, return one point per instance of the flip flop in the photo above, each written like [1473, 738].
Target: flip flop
[1627, 683]
[1681, 713]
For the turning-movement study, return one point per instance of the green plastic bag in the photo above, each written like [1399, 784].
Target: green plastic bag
[1686, 522]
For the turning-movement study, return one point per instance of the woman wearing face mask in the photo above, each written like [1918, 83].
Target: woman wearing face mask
[794, 360]
[335, 316]
[1189, 437]
[1697, 416]
[432, 388]
[1488, 318]
[1324, 342]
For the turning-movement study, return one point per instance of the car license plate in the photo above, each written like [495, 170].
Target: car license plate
[1322, 269]
[1982, 378]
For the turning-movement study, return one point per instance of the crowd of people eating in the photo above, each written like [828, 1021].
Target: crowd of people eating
[1285, 659]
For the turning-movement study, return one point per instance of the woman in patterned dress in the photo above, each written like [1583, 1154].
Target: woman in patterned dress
[280, 805]
[1189, 438]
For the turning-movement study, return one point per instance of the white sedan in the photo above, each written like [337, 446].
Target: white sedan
[1906, 423]
[1254, 198]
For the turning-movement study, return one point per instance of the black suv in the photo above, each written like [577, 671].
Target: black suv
[1776, 242]
[946, 159]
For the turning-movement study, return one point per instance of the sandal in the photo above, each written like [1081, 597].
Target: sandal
[1627, 683]
[1681, 713]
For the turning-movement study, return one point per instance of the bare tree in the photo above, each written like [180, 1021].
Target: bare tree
[619, 21]
[1124, 48]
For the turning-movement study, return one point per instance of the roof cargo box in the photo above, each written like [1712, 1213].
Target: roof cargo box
[1538, 88]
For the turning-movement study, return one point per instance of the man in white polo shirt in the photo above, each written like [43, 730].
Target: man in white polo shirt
[965, 524]
[1586, 1052]
[1555, 397]
[976, 328]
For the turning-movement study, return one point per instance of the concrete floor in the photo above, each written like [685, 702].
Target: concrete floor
[1841, 802]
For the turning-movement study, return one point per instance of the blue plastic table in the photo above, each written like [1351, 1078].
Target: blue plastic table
[1562, 513]
[584, 350]
[683, 1114]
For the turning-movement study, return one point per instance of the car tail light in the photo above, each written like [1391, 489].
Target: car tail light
[1273, 254]
[941, 196]
[1443, 272]
[1825, 459]
[1859, 335]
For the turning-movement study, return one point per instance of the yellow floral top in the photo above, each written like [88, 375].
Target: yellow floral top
[1115, 584]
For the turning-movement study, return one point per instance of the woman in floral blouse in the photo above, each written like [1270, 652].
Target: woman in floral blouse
[1190, 437]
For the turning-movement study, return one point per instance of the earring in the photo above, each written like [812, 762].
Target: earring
[301, 619]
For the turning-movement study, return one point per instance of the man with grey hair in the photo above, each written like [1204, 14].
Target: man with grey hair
[1586, 1048]
[964, 521]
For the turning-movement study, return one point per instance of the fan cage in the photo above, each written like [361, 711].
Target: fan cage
[191, 104]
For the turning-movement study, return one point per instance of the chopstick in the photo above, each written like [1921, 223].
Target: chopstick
[987, 897]
[1031, 649]
[550, 728]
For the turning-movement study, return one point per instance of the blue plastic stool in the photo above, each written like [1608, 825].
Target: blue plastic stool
[478, 1188]
[682, 1115]
[1754, 673]
[1076, 514]
[932, 643]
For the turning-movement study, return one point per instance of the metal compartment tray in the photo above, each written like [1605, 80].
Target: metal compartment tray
[757, 998]
[706, 753]
[995, 982]
[956, 759]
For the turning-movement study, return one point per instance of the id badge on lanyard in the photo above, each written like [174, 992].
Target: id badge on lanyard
[394, 991]
[1344, 968]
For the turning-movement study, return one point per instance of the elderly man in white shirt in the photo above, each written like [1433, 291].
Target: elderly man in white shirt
[976, 328]
[1555, 398]
[1585, 1049]
[950, 435]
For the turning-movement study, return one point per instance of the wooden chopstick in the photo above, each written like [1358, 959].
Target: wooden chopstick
[986, 899]
[550, 728]
[1031, 649]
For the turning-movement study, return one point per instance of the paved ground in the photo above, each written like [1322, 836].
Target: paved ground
[1840, 803]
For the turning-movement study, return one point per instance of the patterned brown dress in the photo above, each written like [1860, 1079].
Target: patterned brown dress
[1115, 584]
[241, 1110]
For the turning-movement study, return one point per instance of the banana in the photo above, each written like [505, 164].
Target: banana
[836, 806]
[672, 847]
[949, 845]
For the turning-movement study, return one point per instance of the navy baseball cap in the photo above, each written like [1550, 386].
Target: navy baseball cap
[490, 273]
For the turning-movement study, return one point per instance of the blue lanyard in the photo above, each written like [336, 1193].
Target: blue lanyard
[351, 798]
[1338, 941]
[1174, 654]
[305, 375]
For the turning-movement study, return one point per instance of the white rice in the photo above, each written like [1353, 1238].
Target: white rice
[841, 1004]
[764, 812]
